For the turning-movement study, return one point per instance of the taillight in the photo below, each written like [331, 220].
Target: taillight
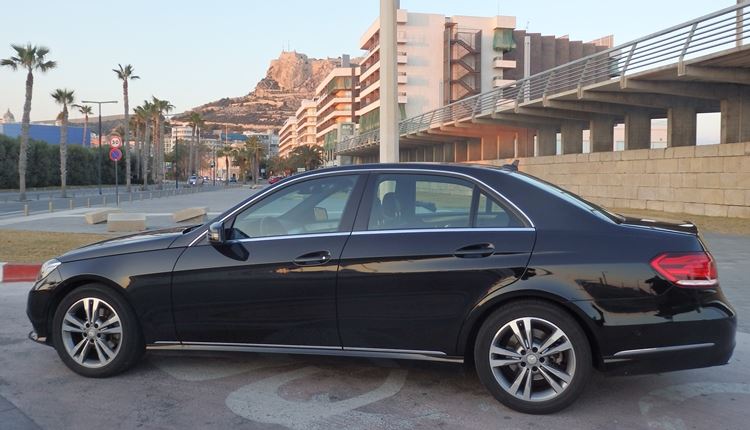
[687, 269]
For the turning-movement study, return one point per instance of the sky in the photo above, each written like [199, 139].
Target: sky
[193, 52]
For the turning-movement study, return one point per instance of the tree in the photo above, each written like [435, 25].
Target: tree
[84, 110]
[196, 122]
[162, 107]
[255, 151]
[226, 152]
[144, 114]
[29, 58]
[125, 74]
[63, 97]
[308, 156]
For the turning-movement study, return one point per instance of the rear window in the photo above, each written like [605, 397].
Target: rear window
[570, 197]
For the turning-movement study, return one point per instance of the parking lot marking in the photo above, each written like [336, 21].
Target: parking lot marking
[261, 402]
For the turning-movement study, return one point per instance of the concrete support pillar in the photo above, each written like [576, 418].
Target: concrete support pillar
[449, 152]
[735, 117]
[506, 146]
[546, 141]
[637, 130]
[571, 135]
[474, 148]
[602, 134]
[681, 126]
[524, 144]
[389, 113]
[461, 152]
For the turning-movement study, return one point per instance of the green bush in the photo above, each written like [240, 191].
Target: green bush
[43, 165]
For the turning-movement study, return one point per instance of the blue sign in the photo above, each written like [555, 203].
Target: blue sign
[115, 154]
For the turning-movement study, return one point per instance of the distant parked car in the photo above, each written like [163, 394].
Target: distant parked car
[274, 179]
[233, 180]
[192, 180]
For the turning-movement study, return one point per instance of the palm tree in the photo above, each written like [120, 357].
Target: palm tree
[196, 122]
[125, 74]
[162, 107]
[63, 97]
[30, 58]
[144, 114]
[226, 152]
[255, 151]
[307, 156]
[85, 110]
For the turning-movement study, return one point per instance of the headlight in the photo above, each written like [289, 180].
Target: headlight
[47, 268]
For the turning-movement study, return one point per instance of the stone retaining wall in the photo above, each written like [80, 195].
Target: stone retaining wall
[712, 180]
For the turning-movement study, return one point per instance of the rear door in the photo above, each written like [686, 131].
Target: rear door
[425, 249]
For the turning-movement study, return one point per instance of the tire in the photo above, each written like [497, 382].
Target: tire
[560, 367]
[104, 345]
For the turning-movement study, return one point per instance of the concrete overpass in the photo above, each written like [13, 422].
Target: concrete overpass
[697, 67]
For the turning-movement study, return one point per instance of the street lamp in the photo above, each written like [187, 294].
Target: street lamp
[100, 103]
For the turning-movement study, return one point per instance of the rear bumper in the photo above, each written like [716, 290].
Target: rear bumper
[674, 346]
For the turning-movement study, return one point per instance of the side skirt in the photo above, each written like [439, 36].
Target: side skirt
[307, 350]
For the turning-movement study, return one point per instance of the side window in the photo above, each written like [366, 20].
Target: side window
[406, 201]
[491, 214]
[312, 206]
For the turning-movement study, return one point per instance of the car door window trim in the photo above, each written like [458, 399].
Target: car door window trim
[363, 172]
[441, 230]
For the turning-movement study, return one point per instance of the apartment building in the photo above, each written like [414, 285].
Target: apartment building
[288, 136]
[442, 59]
[306, 117]
[336, 104]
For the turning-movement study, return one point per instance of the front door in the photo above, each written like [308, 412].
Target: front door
[273, 282]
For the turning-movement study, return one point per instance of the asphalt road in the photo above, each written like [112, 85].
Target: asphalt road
[258, 391]
[40, 201]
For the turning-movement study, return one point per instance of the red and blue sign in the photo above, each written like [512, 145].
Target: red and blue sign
[115, 154]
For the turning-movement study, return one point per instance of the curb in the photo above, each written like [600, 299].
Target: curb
[14, 272]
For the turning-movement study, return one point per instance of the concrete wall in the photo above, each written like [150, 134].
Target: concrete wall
[711, 180]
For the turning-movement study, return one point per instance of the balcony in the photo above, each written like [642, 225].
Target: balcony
[497, 81]
[401, 77]
[499, 63]
[401, 57]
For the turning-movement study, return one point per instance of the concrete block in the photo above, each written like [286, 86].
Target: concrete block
[637, 204]
[707, 151]
[680, 152]
[735, 197]
[695, 208]
[99, 215]
[731, 149]
[194, 214]
[716, 210]
[738, 211]
[732, 164]
[655, 205]
[678, 207]
[636, 154]
[126, 222]
[656, 153]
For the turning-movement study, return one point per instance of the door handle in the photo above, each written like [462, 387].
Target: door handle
[313, 259]
[478, 250]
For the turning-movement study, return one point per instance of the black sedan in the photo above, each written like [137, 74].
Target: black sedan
[534, 285]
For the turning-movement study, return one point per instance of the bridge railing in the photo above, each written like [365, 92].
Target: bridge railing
[715, 32]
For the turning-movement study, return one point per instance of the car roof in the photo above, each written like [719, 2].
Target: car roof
[447, 167]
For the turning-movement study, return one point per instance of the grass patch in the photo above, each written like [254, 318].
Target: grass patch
[21, 246]
[740, 226]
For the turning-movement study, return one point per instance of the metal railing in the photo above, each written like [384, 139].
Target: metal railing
[715, 32]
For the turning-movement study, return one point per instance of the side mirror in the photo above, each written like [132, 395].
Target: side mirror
[215, 233]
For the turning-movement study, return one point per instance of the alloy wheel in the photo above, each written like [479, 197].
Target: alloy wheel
[532, 359]
[91, 332]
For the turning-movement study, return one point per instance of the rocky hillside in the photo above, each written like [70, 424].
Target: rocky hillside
[290, 78]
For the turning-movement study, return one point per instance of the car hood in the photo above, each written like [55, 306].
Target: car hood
[139, 242]
[662, 224]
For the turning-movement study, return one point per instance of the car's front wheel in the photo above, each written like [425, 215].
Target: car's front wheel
[95, 332]
[533, 357]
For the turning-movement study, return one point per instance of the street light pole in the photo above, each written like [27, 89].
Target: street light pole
[99, 164]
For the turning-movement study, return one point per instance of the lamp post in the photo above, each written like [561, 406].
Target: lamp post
[100, 103]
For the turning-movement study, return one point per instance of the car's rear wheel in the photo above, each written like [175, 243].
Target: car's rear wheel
[533, 357]
[95, 332]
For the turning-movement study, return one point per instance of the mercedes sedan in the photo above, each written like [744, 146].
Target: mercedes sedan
[533, 285]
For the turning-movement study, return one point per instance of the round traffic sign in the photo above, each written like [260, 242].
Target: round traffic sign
[115, 142]
[115, 154]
